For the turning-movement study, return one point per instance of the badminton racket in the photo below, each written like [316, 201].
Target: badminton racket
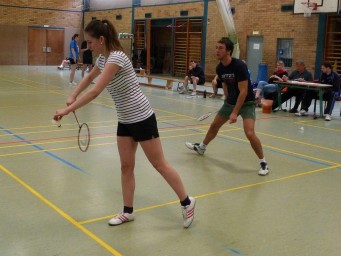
[205, 116]
[83, 135]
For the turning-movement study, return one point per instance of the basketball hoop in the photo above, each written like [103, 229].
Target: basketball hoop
[309, 7]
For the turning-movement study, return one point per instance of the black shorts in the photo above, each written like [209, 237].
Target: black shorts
[140, 131]
[200, 81]
[87, 61]
[72, 61]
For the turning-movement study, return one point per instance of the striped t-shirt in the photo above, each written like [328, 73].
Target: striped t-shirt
[132, 105]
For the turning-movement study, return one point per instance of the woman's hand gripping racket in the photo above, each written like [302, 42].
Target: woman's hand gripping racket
[83, 135]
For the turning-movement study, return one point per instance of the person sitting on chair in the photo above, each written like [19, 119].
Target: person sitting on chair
[64, 63]
[196, 76]
[301, 74]
[328, 76]
[269, 86]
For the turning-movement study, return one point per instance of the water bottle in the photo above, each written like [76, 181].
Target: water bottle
[205, 94]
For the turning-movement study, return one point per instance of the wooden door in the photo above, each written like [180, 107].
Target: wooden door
[54, 46]
[36, 46]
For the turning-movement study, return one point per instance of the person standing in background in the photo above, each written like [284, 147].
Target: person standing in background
[74, 54]
[87, 57]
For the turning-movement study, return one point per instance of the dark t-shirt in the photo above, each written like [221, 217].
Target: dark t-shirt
[231, 74]
[306, 75]
[333, 79]
[86, 54]
[280, 73]
[197, 72]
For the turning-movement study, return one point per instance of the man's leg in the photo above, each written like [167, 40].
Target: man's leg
[212, 132]
[185, 85]
[249, 129]
[195, 82]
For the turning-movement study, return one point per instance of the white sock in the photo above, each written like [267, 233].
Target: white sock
[262, 160]
[202, 145]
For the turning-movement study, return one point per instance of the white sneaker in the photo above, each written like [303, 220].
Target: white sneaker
[60, 67]
[223, 98]
[188, 212]
[72, 83]
[121, 218]
[194, 93]
[196, 147]
[264, 170]
[328, 118]
[212, 96]
[301, 113]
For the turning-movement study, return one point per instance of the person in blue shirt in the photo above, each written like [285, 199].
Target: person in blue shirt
[74, 54]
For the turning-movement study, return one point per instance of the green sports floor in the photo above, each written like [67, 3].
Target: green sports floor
[56, 200]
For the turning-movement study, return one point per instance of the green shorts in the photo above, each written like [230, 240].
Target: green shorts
[247, 111]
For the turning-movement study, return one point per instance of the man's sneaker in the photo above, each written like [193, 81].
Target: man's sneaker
[121, 218]
[328, 118]
[60, 67]
[196, 147]
[264, 170]
[302, 113]
[194, 93]
[293, 110]
[188, 212]
[181, 92]
[212, 96]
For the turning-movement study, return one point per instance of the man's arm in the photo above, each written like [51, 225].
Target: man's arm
[243, 90]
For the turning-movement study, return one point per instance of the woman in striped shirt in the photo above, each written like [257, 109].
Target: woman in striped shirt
[136, 119]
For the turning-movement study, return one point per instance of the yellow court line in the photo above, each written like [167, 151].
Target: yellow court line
[59, 93]
[321, 127]
[54, 149]
[57, 87]
[285, 151]
[219, 192]
[300, 142]
[61, 212]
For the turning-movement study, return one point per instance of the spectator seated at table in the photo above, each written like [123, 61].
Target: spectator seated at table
[301, 74]
[328, 76]
[270, 86]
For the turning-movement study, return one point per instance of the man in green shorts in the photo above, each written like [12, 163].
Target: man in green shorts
[240, 101]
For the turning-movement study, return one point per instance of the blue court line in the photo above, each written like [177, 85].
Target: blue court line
[46, 152]
[268, 149]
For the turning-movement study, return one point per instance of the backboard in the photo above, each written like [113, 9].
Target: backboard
[321, 6]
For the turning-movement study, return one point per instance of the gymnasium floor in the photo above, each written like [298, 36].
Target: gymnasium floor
[56, 200]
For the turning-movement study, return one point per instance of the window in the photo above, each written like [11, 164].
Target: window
[284, 51]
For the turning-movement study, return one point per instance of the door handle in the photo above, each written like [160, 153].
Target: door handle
[48, 49]
[44, 49]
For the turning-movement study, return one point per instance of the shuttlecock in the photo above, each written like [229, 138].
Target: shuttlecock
[56, 123]
[302, 128]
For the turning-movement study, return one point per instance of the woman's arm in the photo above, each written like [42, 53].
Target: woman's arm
[110, 70]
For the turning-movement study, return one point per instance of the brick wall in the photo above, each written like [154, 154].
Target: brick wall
[255, 15]
[122, 26]
[267, 18]
[38, 13]
[24, 13]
